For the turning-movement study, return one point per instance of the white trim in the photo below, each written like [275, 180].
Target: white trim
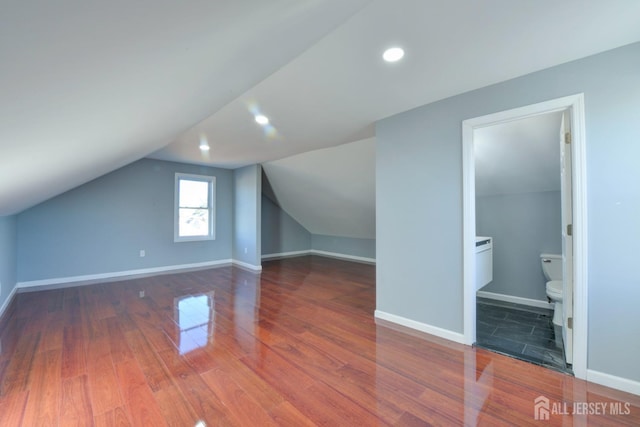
[8, 300]
[343, 256]
[575, 103]
[211, 181]
[246, 265]
[619, 383]
[516, 300]
[286, 254]
[321, 253]
[468, 234]
[419, 326]
[103, 277]
[580, 238]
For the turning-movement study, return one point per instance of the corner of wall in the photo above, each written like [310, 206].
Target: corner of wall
[8, 262]
[247, 198]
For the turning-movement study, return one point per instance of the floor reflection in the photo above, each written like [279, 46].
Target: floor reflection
[195, 316]
[297, 344]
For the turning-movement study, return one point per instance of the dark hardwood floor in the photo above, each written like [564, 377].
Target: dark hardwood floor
[296, 345]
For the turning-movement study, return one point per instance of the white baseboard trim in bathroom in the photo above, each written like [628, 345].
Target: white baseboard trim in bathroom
[286, 254]
[419, 326]
[8, 300]
[619, 383]
[120, 275]
[247, 266]
[516, 300]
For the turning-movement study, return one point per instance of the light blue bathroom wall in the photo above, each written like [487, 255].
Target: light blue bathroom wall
[247, 184]
[365, 248]
[419, 201]
[8, 256]
[280, 232]
[522, 226]
[100, 227]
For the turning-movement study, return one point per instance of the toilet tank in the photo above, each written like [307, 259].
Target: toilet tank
[551, 266]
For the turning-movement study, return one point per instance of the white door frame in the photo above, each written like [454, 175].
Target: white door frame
[575, 104]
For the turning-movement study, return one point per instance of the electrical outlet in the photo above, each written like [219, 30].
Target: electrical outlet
[142, 253]
[245, 250]
[141, 294]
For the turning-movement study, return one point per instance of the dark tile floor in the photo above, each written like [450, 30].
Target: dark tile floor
[519, 331]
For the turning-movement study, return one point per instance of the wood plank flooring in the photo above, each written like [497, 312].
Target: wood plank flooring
[296, 345]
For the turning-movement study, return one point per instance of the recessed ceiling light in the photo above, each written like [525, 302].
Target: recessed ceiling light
[261, 119]
[204, 144]
[393, 54]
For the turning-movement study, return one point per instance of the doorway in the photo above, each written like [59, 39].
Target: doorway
[575, 319]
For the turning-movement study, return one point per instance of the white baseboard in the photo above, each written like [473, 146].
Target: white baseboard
[516, 300]
[343, 256]
[619, 383]
[8, 300]
[129, 274]
[246, 265]
[321, 253]
[286, 254]
[419, 326]
[104, 277]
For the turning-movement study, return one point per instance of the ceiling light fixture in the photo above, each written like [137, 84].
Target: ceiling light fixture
[393, 54]
[204, 144]
[262, 119]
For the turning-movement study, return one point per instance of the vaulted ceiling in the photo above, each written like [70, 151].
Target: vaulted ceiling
[330, 191]
[88, 87]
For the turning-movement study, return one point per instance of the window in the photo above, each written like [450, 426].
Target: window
[194, 217]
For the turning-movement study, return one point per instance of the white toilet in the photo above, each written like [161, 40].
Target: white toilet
[552, 269]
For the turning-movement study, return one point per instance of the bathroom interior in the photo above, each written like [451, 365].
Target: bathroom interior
[519, 269]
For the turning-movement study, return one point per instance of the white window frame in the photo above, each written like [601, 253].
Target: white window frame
[211, 180]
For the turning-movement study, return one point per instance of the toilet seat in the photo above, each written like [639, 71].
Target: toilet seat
[554, 289]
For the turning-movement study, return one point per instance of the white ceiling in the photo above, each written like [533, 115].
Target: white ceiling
[88, 87]
[334, 91]
[330, 191]
[521, 156]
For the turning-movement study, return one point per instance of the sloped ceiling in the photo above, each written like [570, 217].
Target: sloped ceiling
[334, 91]
[329, 191]
[521, 156]
[87, 87]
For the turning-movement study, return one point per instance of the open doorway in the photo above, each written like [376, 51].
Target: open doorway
[566, 116]
[519, 207]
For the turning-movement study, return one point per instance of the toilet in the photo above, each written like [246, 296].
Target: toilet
[552, 269]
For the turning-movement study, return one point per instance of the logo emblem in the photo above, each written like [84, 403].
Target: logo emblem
[541, 408]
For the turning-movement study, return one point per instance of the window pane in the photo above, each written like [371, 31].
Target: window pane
[194, 194]
[193, 222]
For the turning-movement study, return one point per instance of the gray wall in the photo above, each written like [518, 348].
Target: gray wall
[344, 245]
[247, 184]
[419, 201]
[101, 226]
[522, 226]
[8, 250]
[280, 232]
